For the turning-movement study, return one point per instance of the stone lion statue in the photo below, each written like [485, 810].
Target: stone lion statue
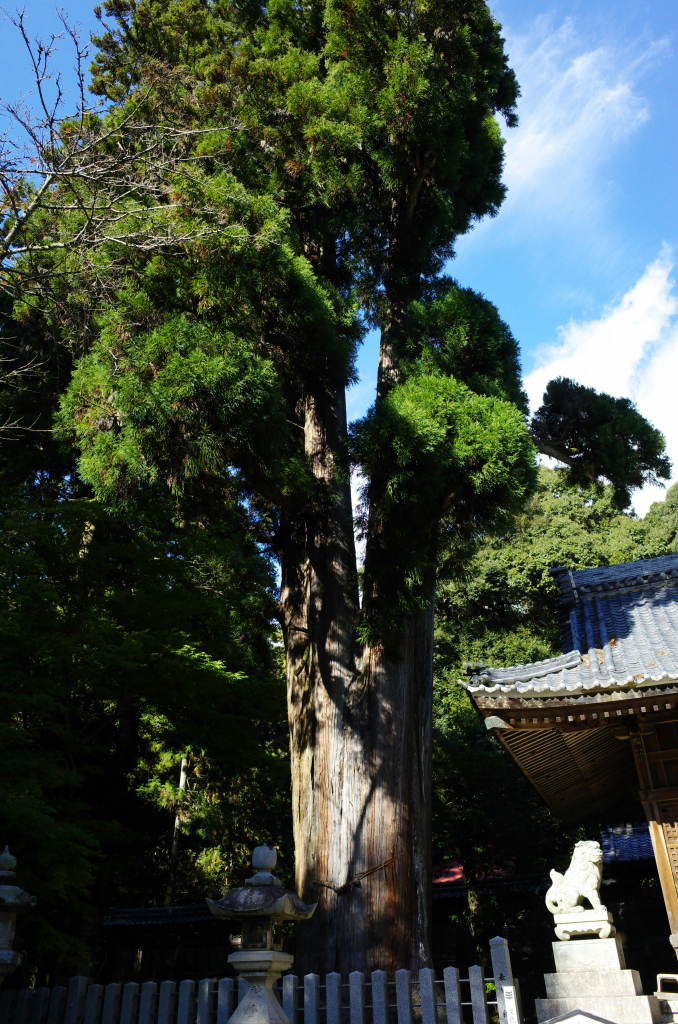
[581, 881]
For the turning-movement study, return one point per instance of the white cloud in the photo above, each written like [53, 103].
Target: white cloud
[577, 101]
[630, 351]
[581, 100]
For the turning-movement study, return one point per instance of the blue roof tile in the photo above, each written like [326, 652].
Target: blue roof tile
[626, 842]
[620, 629]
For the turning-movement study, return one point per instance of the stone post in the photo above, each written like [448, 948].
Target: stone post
[12, 900]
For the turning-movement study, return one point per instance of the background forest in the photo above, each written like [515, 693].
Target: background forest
[158, 381]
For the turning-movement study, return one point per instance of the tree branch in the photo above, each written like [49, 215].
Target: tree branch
[553, 453]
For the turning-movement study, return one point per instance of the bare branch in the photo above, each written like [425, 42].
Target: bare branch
[73, 179]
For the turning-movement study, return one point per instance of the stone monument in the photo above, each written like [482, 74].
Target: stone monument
[581, 881]
[591, 974]
[12, 900]
[262, 905]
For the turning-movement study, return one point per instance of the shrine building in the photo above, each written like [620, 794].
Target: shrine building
[600, 722]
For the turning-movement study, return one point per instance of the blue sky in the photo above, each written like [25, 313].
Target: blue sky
[580, 259]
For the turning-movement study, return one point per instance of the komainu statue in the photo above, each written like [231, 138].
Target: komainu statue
[581, 881]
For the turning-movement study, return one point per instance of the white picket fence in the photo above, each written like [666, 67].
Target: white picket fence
[426, 1000]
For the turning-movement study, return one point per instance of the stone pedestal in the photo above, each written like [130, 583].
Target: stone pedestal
[9, 961]
[261, 968]
[591, 976]
[585, 922]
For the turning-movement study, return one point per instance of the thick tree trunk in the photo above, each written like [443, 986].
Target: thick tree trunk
[360, 739]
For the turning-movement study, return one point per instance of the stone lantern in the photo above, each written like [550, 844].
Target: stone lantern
[12, 900]
[263, 906]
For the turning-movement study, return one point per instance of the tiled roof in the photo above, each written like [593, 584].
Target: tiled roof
[627, 577]
[620, 628]
[626, 842]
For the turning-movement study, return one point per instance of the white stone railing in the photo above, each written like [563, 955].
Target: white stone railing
[360, 1000]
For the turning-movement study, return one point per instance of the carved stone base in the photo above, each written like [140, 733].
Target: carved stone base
[586, 922]
[591, 977]
[589, 955]
[260, 968]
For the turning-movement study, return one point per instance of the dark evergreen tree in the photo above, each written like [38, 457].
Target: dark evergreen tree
[333, 153]
[598, 436]
[129, 638]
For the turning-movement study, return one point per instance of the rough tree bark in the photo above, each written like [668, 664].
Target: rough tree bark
[360, 740]
[360, 717]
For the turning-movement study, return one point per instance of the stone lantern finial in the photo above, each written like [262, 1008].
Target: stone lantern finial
[264, 859]
[7, 864]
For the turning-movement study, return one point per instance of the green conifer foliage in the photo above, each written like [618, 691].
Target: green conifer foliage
[316, 165]
[129, 637]
[597, 436]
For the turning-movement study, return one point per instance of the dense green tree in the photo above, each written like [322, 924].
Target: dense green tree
[596, 436]
[230, 359]
[128, 640]
[332, 154]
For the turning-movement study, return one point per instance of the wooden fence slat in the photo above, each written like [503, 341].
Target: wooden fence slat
[333, 998]
[311, 999]
[7, 1004]
[427, 993]
[82, 1003]
[502, 972]
[224, 1000]
[204, 1001]
[356, 993]
[379, 998]
[290, 998]
[93, 1004]
[75, 1000]
[23, 1005]
[243, 985]
[130, 1001]
[186, 1002]
[111, 1010]
[57, 1005]
[476, 975]
[404, 996]
[147, 1002]
[40, 1006]
[168, 994]
[452, 996]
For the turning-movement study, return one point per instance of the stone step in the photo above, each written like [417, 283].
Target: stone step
[620, 1009]
[668, 1008]
[593, 983]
